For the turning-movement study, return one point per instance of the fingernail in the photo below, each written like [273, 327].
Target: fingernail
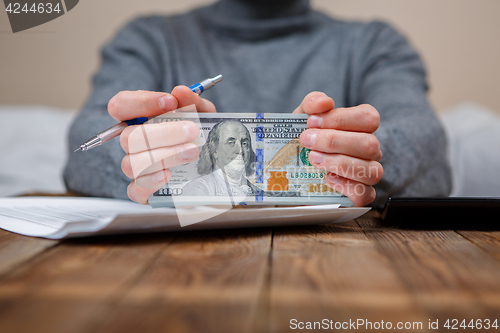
[315, 121]
[308, 138]
[159, 177]
[189, 129]
[316, 96]
[168, 102]
[316, 157]
[333, 178]
[188, 152]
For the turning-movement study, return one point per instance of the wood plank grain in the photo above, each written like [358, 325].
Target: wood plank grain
[229, 281]
[448, 275]
[333, 272]
[74, 286]
[16, 249]
[488, 241]
[207, 281]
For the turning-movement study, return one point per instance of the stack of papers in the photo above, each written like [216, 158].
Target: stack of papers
[65, 217]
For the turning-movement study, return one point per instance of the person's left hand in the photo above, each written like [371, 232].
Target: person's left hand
[343, 144]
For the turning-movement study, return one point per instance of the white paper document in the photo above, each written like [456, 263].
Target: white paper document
[65, 217]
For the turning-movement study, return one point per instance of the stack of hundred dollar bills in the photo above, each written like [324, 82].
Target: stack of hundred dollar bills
[246, 159]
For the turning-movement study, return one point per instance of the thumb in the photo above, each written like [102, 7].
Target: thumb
[128, 105]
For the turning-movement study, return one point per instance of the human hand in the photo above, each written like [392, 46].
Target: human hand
[343, 144]
[154, 148]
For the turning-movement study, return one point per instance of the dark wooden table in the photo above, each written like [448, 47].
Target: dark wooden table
[251, 280]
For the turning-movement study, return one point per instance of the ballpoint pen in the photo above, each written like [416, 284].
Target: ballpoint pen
[117, 129]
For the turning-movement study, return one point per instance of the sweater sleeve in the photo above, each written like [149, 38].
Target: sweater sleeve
[391, 77]
[129, 62]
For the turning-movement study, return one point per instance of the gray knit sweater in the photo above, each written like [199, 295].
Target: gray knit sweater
[271, 56]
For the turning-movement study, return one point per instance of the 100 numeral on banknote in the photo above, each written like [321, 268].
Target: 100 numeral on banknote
[246, 159]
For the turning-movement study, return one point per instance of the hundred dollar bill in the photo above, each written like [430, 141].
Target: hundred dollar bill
[246, 159]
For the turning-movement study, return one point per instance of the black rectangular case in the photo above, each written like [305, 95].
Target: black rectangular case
[443, 213]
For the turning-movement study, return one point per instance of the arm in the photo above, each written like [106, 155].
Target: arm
[390, 142]
[124, 89]
[391, 78]
[129, 62]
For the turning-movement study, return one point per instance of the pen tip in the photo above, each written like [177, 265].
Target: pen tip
[217, 78]
[78, 149]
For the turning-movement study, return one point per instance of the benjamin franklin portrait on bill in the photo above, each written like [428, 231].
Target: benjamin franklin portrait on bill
[225, 162]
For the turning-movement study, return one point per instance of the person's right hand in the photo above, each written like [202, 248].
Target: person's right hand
[154, 148]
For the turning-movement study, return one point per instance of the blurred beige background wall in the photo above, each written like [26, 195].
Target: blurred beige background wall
[52, 64]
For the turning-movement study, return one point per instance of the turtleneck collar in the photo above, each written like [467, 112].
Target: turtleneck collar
[258, 19]
[262, 9]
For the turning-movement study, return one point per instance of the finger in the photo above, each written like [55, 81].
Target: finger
[186, 97]
[135, 165]
[153, 168]
[360, 194]
[362, 118]
[362, 145]
[128, 105]
[160, 165]
[363, 171]
[140, 194]
[315, 102]
[155, 180]
[139, 138]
